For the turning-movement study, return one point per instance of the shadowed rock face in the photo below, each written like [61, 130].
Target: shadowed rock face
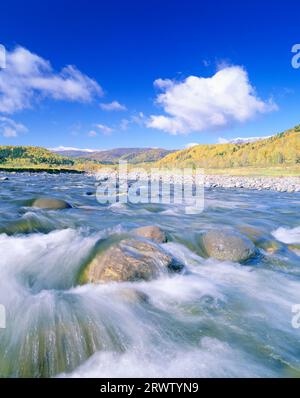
[51, 204]
[228, 246]
[151, 232]
[128, 260]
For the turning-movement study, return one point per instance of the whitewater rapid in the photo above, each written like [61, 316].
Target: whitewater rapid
[185, 325]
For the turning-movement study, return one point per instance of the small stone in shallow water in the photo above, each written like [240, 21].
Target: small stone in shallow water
[228, 245]
[51, 204]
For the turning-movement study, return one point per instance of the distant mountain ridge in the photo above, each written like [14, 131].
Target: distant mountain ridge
[112, 156]
[241, 140]
[72, 153]
[279, 150]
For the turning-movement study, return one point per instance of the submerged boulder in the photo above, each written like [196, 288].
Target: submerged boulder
[270, 246]
[51, 204]
[133, 296]
[228, 245]
[295, 248]
[27, 225]
[151, 232]
[128, 260]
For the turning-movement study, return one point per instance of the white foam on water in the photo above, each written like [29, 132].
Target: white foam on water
[212, 358]
[242, 307]
[40, 261]
[296, 251]
[215, 203]
[86, 207]
[287, 235]
[209, 321]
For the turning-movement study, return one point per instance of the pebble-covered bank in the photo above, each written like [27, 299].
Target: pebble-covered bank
[280, 184]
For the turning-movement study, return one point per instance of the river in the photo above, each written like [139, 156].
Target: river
[215, 319]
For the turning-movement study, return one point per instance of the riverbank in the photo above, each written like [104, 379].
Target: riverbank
[275, 171]
[280, 184]
[274, 183]
[39, 170]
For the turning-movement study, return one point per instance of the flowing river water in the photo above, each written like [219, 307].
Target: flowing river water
[216, 319]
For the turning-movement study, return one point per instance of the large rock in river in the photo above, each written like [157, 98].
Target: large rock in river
[128, 260]
[151, 232]
[228, 245]
[51, 204]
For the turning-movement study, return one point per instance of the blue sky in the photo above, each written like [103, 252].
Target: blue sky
[146, 73]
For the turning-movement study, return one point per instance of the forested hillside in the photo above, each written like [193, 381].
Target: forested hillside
[281, 149]
[29, 156]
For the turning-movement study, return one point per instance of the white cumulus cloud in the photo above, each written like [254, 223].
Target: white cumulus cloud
[200, 104]
[29, 77]
[113, 106]
[9, 128]
[106, 130]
